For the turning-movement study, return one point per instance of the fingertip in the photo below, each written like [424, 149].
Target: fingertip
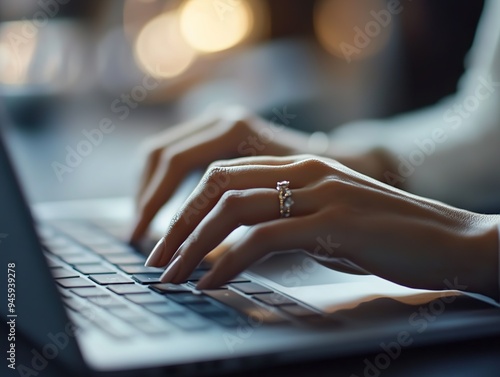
[156, 254]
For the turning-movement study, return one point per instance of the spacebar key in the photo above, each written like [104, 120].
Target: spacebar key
[243, 305]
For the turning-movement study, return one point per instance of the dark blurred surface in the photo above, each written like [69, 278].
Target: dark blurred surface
[473, 358]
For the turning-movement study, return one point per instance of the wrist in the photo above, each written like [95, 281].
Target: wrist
[481, 265]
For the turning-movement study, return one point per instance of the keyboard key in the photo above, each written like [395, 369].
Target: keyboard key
[112, 249]
[89, 292]
[139, 269]
[106, 301]
[74, 282]
[244, 305]
[89, 269]
[107, 279]
[76, 305]
[222, 315]
[45, 232]
[56, 242]
[187, 298]
[250, 288]
[298, 311]
[59, 272]
[113, 327]
[196, 275]
[146, 298]
[147, 278]
[238, 279]
[169, 288]
[207, 308]
[64, 292]
[51, 262]
[126, 289]
[68, 250]
[274, 299]
[125, 258]
[81, 259]
[165, 309]
[127, 314]
[228, 320]
[189, 322]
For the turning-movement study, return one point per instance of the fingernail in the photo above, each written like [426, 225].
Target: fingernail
[156, 254]
[205, 281]
[172, 270]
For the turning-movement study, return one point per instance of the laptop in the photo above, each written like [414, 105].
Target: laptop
[81, 295]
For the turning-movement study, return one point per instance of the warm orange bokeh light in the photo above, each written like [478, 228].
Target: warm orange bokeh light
[160, 48]
[215, 25]
[353, 29]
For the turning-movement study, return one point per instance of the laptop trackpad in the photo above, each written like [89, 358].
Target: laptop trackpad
[302, 278]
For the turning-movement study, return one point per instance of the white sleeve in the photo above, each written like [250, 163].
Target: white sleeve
[449, 151]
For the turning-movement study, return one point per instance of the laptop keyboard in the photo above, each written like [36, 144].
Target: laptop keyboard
[104, 283]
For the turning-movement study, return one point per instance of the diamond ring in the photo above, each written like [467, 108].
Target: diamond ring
[285, 198]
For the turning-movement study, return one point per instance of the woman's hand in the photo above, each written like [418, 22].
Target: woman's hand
[401, 237]
[194, 145]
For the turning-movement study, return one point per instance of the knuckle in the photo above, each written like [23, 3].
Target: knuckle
[215, 175]
[231, 198]
[154, 153]
[314, 165]
[334, 187]
[170, 156]
[218, 164]
[236, 114]
[239, 127]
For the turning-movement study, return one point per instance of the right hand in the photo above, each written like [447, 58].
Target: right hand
[193, 145]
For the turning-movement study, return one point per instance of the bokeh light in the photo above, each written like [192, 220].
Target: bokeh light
[17, 49]
[353, 29]
[160, 48]
[215, 25]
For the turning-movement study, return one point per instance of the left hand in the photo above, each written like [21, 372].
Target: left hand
[401, 237]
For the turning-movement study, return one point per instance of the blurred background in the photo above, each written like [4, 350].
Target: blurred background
[144, 65]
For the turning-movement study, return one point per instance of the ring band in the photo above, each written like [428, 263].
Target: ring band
[285, 198]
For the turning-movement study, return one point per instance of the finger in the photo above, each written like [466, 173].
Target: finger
[246, 207]
[194, 152]
[212, 187]
[256, 160]
[341, 266]
[166, 139]
[278, 235]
